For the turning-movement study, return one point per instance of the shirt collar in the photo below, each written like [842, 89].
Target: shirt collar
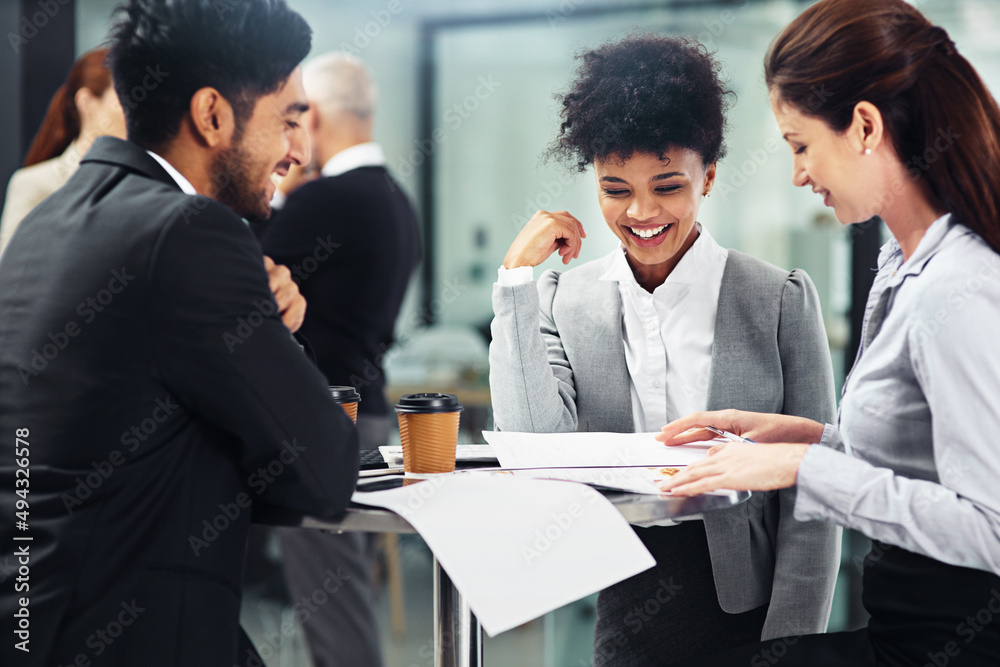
[368, 154]
[689, 270]
[931, 242]
[183, 183]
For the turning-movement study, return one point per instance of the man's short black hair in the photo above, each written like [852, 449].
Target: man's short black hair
[163, 51]
[643, 94]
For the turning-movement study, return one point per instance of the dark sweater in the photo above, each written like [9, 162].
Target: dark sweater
[352, 243]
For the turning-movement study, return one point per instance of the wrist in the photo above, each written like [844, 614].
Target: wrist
[805, 431]
[514, 262]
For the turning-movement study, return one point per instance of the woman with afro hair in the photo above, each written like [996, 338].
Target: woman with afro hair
[667, 324]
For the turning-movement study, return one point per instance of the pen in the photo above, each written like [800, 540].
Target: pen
[729, 436]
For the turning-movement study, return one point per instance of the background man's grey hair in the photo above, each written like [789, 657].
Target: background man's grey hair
[339, 82]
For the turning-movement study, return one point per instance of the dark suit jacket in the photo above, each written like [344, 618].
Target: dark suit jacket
[352, 243]
[162, 396]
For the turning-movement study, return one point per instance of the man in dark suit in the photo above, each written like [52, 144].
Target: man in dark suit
[351, 239]
[155, 393]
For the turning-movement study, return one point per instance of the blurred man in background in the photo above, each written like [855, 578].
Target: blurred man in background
[350, 237]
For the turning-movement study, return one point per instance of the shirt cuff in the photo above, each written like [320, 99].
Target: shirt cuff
[831, 438]
[826, 484]
[513, 277]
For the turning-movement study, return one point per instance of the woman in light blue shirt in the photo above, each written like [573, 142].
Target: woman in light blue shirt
[886, 118]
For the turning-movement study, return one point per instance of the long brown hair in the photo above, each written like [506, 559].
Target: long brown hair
[61, 124]
[943, 122]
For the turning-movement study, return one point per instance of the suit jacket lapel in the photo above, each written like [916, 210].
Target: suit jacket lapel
[598, 307]
[726, 340]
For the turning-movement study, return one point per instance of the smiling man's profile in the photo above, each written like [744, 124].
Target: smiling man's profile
[144, 440]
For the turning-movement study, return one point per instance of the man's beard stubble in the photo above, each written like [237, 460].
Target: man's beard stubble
[232, 171]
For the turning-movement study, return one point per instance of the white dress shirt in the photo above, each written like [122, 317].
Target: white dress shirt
[368, 154]
[668, 334]
[185, 184]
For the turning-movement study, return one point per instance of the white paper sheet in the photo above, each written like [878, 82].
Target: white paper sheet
[634, 480]
[518, 548]
[568, 450]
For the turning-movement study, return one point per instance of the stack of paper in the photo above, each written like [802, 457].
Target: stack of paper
[634, 462]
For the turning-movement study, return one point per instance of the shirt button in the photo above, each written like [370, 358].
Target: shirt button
[656, 384]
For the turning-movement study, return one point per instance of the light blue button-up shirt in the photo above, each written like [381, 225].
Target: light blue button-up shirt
[920, 416]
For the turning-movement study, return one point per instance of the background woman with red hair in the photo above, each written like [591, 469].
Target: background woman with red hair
[84, 108]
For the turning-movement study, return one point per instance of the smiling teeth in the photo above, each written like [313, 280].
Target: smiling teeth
[648, 233]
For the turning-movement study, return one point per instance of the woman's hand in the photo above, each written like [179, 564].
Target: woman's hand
[739, 466]
[544, 234]
[757, 426]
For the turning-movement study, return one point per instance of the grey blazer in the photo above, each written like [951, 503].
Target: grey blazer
[557, 364]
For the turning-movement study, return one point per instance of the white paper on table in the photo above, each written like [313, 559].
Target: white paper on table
[573, 450]
[644, 480]
[518, 548]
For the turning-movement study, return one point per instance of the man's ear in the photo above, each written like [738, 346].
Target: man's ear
[212, 117]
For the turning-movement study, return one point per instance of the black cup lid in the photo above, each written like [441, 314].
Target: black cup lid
[345, 394]
[428, 403]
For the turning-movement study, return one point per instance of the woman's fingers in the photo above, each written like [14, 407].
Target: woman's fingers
[741, 466]
[543, 235]
[689, 436]
[677, 431]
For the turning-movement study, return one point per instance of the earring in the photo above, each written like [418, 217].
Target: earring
[868, 151]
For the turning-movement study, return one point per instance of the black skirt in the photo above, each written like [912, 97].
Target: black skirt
[924, 613]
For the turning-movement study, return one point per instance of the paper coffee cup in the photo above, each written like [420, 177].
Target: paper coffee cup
[348, 398]
[428, 430]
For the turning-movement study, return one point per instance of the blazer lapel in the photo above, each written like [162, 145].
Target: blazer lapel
[726, 342]
[597, 306]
